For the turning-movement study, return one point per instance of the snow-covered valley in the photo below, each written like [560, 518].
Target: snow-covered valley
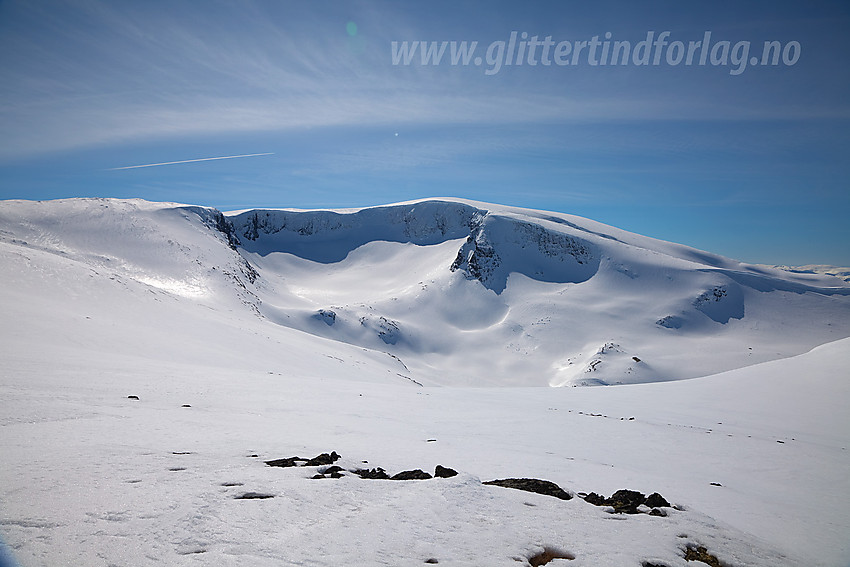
[405, 337]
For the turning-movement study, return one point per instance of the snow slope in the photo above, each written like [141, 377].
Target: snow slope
[90, 477]
[303, 332]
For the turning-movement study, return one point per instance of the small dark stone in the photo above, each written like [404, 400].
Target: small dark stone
[431, 561]
[373, 474]
[595, 499]
[132, 397]
[547, 555]
[254, 456]
[332, 470]
[185, 406]
[416, 474]
[253, 496]
[715, 484]
[231, 484]
[626, 501]
[655, 500]
[323, 459]
[317, 476]
[444, 472]
[177, 469]
[538, 486]
[648, 564]
[658, 512]
[699, 553]
[288, 462]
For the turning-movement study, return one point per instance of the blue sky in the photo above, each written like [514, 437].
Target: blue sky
[752, 166]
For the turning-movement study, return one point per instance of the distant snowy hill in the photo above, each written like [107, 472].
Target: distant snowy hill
[835, 271]
[445, 292]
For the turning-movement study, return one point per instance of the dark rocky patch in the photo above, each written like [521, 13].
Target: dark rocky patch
[628, 501]
[700, 553]
[372, 474]
[655, 500]
[547, 555]
[416, 474]
[330, 472]
[231, 484]
[181, 452]
[444, 472]
[715, 484]
[649, 564]
[176, 469]
[431, 561]
[658, 512]
[185, 406]
[132, 397]
[253, 496]
[287, 462]
[538, 486]
[595, 499]
[323, 459]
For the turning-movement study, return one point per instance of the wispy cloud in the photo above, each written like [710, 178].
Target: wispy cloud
[100, 73]
[188, 161]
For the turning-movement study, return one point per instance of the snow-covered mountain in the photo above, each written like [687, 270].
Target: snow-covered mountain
[263, 334]
[456, 292]
[462, 291]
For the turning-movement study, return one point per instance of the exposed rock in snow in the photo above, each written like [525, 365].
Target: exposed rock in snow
[538, 486]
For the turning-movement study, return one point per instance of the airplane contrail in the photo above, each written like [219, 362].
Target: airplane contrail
[188, 161]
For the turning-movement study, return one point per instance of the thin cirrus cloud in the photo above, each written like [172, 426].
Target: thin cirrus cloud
[108, 73]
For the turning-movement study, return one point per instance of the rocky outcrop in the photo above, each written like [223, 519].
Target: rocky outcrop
[416, 474]
[629, 502]
[317, 461]
[444, 472]
[538, 486]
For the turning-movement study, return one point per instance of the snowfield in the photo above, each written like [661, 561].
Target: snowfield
[155, 356]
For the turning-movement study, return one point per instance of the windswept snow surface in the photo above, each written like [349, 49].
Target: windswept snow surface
[301, 332]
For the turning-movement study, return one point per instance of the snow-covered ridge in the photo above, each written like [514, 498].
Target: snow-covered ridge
[329, 236]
